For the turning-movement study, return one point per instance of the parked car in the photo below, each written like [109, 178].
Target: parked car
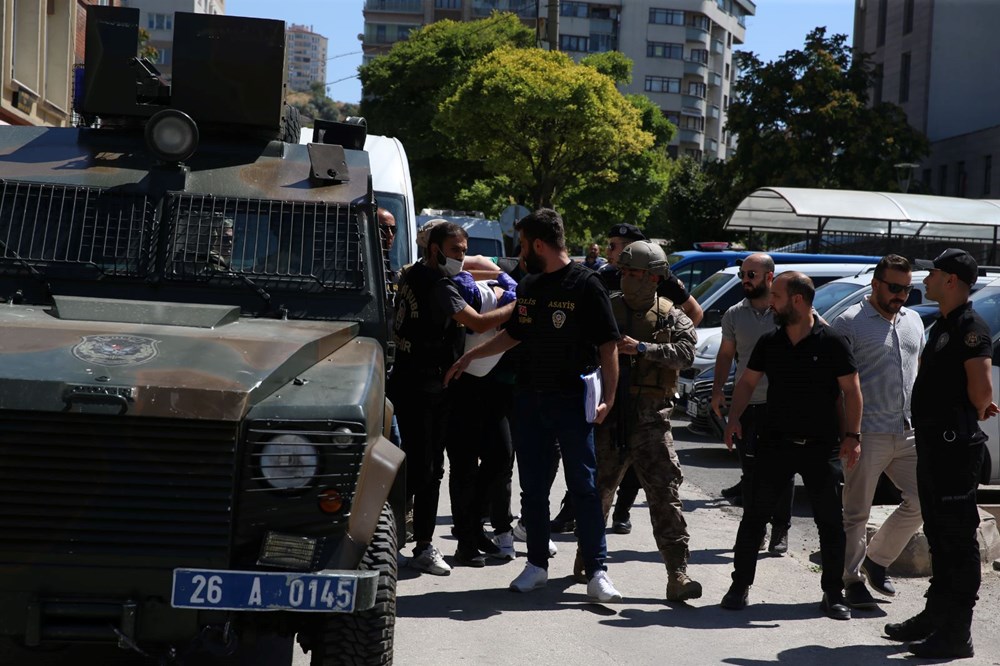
[485, 236]
[986, 302]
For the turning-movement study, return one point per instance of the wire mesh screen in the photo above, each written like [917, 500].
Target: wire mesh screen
[103, 229]
[308, 244]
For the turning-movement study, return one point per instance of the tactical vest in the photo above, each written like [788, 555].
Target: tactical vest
[427, 340]
[652, 326]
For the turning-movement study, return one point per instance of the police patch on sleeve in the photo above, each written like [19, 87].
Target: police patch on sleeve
[115, 350]
[972, 339]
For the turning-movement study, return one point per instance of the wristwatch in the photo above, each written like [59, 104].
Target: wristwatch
[853, 435]
[640, 347]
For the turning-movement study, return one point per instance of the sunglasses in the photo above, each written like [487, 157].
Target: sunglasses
[750, 275]
[897, 288]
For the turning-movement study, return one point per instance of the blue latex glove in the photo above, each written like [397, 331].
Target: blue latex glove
[508, 296]
[507, 282]
[468, 289]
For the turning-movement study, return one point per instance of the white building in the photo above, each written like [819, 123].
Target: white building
[306, 57]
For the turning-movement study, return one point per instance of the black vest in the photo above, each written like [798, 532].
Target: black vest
[428, 340]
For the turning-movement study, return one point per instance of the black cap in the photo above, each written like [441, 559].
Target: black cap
[957, 262]
[627, 231]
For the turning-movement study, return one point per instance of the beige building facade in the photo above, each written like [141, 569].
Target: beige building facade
[306, 57]
[682, 49]
[925, 53]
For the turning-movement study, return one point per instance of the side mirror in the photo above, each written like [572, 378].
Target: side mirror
[712, 318]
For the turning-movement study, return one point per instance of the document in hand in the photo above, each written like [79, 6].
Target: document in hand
[594, 392]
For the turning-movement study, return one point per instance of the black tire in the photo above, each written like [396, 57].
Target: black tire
[365, 638]
[291, 125]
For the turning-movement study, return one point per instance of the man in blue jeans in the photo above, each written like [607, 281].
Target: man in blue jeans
[564, 321]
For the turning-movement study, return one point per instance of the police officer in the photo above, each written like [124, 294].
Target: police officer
[657, 341]
[564, 324]
[428, 335]
[952, 393]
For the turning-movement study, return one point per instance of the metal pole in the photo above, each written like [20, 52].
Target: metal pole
[553, 25]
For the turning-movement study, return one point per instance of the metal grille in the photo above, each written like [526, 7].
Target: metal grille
[104, 229]
[338, 462]
[127, 489]
[308, 244]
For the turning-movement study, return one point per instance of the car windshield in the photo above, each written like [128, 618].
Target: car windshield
[832, 293]
[704, 291]
[986, 302]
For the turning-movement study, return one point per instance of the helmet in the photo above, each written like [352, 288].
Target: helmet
[645, 256]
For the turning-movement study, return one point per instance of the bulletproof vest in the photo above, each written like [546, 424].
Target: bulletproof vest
[427, 340]
[654, 325]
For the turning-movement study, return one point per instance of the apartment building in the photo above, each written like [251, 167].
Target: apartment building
[157, 18]
[682, 49]
[924, 53]
[40, 41]
[306, 57]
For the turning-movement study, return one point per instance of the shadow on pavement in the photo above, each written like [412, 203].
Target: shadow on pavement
[705, 613]
[816, 655]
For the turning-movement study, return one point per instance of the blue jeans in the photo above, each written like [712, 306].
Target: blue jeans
[541, 419]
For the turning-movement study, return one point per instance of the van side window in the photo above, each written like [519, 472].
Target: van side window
[697, 272]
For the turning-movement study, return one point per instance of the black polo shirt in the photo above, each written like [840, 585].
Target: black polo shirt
[940, 392]
[802, 387]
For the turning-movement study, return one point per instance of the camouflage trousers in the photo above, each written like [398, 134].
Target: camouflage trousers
[651, 453]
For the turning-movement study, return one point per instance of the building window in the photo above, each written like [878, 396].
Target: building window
[693, 123]
[572, 43]
[877, 85]
[664, 50]
[666, 16]
[163, 55]
[728, 72]
[943, 179]
[904, 78]
[673, 116]
[697, 90]
[698, 55]
[577, 9]
[907, 17]
[987, 173]
[601, 43]
[662, 84]
[725, 102]
[160, 22]
[880, 34]
[447, 4]
[693, 153]
[700, 21]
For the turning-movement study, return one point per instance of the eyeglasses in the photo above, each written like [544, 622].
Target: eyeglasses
[898, 288]
[750, 275]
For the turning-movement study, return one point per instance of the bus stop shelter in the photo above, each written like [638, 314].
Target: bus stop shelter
[891, 215]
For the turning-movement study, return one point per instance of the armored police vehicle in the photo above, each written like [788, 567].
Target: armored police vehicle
[192, 407]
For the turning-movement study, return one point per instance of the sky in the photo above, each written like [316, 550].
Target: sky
[778, 26]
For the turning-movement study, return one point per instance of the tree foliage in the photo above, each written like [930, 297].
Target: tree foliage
[693, 209]
[544, 121]
[804, 120]
[314, 104]
[404, 88]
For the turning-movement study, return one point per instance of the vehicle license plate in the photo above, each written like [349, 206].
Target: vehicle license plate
[692, 407]
[263, 590]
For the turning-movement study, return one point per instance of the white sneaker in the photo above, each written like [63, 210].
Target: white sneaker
[530, 579]
[431, 561]
[521, 534]
[600, 588]
[505, 542]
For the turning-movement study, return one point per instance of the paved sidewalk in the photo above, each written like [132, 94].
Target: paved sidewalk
[471, 617]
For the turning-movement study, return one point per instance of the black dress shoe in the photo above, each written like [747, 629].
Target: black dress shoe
[834, 607]
[469, 556]
[917, 628]
[941, 645]
[858, 596]
[779, 541]
[562, 526]
[486, 545]
[733, 491]
[877, 577]
[621, 526]
[736, 598]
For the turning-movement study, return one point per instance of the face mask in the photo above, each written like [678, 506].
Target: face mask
[450, 267]
[637, 291]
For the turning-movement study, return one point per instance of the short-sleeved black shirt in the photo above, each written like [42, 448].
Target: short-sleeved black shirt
[670, 287]
[561, 318]
[802, 387]
[940, 392]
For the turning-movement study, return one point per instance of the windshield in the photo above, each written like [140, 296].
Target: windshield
[986, 302]
[718, 282]
[395, 204]
[674, 258]
[832, 293]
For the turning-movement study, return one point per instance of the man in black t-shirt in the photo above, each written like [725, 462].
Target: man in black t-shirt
[807, 366]
[429, 310]
[565, 326]
[952, 393]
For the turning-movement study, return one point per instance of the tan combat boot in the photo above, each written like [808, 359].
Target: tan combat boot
[680, 587]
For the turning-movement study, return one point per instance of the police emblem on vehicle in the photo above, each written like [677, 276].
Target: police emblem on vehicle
[115, 350]
[942, 341]
[558, 318]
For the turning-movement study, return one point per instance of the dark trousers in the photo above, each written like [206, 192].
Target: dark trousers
[947, 478]
[746, 447]
[422, 416]
[776, 465]
[479, 455]
[540, 420]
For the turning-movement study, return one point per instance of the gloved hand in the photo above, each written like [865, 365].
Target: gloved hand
[509, 296]
[468, 289]
[506, 281]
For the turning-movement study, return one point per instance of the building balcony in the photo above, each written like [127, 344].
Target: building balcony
[714, 112]
[712, 146]
[696, 68]
[697, 36]
[718, 47]
[692, 106]
[519, 7]
[690, 137]
[397, 6]
[715, 79]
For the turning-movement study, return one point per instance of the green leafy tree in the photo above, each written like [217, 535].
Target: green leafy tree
[145, 49]
[314, 103]
[404, 89]
[692, 209]
[546, 123]
[804, 121]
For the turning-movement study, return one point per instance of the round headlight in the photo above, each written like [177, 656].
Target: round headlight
[342, 435]
[172, 135]
[289, 461]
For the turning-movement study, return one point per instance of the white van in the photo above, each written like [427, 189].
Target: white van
[393, 191]
[485, 236]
